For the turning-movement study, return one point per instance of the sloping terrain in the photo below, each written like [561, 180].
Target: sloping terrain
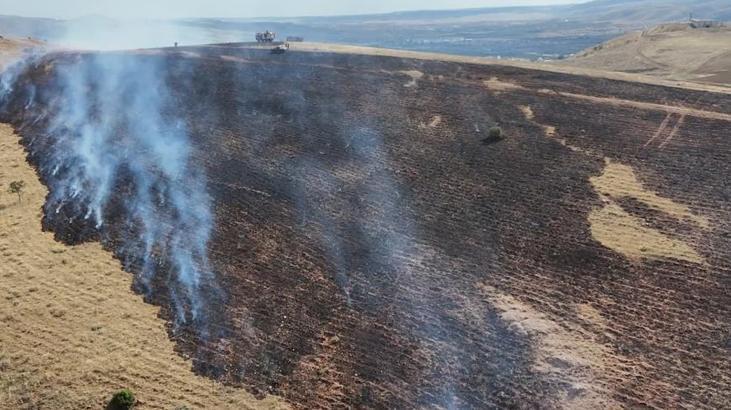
[672, 51]
[12, 49]
[650, 12]
[73, 332]
[376, 248]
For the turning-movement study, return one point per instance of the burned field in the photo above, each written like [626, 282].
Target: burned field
[372, 246]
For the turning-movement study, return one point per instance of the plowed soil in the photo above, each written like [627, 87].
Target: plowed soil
[378, 249]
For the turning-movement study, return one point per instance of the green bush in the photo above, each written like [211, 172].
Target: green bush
[495, 133]
[122, 400]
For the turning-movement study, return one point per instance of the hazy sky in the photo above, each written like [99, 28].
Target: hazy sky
[237, 8]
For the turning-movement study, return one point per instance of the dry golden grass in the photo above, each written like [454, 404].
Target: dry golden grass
[495, 84]
[527, 112]
[434, 122]
[548, 130]
[620, 180]
[73, 331]
[592, 71]
[672, 51]
[562, 352]
[616, 228]
[622, 232]
[415, 77]
[670, 109]
[627, 234]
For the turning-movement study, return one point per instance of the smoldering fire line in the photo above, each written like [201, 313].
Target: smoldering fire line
[110, 125]
[119, 150]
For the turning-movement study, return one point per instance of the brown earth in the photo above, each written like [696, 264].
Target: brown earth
[379, 250]
[671, 51]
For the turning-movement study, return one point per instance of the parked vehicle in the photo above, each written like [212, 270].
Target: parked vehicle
[266, 37]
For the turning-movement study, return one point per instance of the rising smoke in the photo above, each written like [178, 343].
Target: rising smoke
[120, 149]
[116, 148]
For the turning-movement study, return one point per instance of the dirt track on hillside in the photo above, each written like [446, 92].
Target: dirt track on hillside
[378, 250]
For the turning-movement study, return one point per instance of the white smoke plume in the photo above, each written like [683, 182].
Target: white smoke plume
[118, 148]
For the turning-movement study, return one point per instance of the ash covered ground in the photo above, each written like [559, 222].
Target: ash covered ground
[370, 245]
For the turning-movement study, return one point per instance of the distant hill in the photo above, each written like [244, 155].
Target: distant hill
[14, 26]
[636, 12]
[670, 51]
[512, 32]
[632, 12]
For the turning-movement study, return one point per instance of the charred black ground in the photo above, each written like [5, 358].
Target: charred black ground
[360, 216]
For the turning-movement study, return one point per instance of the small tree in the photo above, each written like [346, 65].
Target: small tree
[16, 187]
[122, 400]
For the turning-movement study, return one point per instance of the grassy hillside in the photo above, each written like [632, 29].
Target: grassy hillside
[376, 245]
[673, 51]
